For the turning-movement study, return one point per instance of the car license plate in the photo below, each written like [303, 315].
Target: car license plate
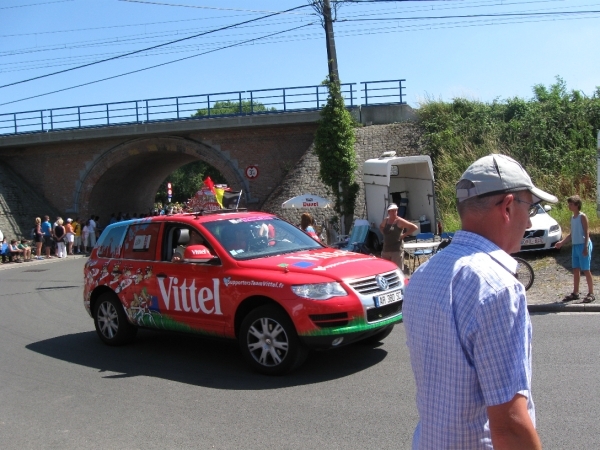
[386, 299]
[532, 241]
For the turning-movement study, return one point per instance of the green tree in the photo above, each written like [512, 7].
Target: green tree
[224, 108]
[334, 145]
[187, 180]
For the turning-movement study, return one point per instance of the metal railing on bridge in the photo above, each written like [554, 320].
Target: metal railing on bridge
[190, 107]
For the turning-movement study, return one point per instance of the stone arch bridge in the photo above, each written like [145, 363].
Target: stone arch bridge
[119, 168]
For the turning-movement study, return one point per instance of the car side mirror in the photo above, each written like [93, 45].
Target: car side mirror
[547, 208]
[197, 254]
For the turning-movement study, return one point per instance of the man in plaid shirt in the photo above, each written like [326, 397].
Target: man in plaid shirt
[466, 319]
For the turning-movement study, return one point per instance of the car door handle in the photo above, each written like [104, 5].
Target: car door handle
[161, 275]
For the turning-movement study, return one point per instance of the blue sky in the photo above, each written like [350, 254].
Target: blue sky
[479, 58]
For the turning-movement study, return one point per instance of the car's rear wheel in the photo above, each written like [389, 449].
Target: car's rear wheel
[269, 342]
[111, 322]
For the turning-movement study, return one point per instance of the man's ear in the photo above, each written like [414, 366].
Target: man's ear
[507, 204]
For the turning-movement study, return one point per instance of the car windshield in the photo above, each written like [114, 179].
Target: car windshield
[257, 237]
[540, 209]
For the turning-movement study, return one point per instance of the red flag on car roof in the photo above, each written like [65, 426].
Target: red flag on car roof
[209, 184]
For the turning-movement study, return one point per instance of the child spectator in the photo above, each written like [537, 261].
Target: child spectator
[581, 251]
[24, 246]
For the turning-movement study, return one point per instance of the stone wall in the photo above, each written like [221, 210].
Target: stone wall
[20, 205]
[371, 141]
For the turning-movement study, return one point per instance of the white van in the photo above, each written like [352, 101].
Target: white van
[407, 181]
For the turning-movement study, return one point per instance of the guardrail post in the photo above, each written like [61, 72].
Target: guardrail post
[15, 121]
[42, 119]
[351, 94]
[107, 117]
[318, 103]
[401, 94]
[251, 102]
[208, 105]
[366, 95]
[147, 114]
[177, 103]
[284, 107]
[137, 116]
[51, 121]
[240, 97]
[79, 115]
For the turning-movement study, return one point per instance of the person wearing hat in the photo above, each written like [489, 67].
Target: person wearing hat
[394, 230]
[467, 326]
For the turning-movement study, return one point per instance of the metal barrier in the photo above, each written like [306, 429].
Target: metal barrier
[237, 103]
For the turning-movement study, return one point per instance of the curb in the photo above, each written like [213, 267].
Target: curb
[561, 307]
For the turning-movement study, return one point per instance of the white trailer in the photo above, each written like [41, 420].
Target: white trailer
[407, 181]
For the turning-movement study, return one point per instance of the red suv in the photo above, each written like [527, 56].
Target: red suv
[248, 276]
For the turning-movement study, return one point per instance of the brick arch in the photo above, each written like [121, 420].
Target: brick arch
[126, 177]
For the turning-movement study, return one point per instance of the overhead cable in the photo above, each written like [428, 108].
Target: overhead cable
[158, 65]
[153, 47]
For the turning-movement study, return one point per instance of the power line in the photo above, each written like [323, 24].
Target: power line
[198, 7]
[35, 4]
[157, 65]
[153, 47]
[469, 16]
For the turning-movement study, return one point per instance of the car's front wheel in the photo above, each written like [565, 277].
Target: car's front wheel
[269, 342]
[111, 322]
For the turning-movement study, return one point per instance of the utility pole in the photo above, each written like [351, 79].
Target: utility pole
[331, 53]
[323, 8]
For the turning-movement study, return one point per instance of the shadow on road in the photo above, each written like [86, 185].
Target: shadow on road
[198, 361]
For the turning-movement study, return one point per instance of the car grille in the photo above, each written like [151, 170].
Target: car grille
[375, 314]
[536, 233]
[368, 286]
[329, 320]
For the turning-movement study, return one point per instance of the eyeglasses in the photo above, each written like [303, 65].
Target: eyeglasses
[533, 207]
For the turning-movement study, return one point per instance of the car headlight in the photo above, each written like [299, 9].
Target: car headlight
[319, 291]
[554, 229]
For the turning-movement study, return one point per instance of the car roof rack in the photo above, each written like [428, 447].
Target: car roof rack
[208, 212]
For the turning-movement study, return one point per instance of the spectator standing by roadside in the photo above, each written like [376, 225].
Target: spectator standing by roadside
[77, 233]
[38, 238]
[91, 231]
[1, 236]
[581, 250]
[59, 237]
[70, 236]
[394, 230]
[306, 225]
[467, 326]
[47, 230]
[85, 236]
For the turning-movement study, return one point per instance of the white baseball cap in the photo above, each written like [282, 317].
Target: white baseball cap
[392, 206]
[497, 174]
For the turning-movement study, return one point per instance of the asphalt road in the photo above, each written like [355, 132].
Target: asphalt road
[61, 388]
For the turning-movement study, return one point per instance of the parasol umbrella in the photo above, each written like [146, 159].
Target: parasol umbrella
[306, 201]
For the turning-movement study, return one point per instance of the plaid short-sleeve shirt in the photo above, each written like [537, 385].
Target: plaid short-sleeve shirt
[469, 336]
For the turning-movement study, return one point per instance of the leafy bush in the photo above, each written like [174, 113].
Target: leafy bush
[553, 135]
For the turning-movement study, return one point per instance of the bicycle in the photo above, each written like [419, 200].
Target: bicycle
[524, 270]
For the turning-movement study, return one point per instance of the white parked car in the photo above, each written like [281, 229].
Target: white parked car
[544, 233]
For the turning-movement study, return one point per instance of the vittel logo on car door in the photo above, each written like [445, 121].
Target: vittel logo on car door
[186, 296]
